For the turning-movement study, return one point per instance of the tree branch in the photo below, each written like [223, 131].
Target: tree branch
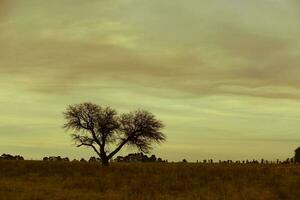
[118, 148]
[90, 145]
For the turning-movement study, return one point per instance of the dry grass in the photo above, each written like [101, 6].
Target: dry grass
[37, 180]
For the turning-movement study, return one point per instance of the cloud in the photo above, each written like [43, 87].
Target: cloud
[5, 6]
[154, 44]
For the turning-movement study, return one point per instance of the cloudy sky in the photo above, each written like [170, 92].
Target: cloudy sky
[223, 75]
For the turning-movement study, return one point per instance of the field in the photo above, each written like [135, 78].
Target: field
[37, 180]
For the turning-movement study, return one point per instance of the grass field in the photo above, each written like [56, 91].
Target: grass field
[37, 180]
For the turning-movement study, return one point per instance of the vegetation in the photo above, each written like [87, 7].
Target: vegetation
[38, 180]
[138, 157]
[98, 127]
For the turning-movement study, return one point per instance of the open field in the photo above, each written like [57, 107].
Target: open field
[37, 180]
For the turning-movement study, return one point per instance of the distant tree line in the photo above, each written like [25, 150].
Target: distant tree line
[55, 158]
[141, 157]
[134, 157]
[138, 157]
[254, 161]
[10, 157]
[66, 159]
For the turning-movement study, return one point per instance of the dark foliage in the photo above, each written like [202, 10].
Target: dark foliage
[10, 157]
[138, 157]
[297, 155]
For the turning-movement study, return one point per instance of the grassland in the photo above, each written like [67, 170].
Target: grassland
[37, 180]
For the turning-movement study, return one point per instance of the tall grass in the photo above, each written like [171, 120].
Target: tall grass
[37, 180]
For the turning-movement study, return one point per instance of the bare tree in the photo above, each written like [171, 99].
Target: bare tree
[102, 129]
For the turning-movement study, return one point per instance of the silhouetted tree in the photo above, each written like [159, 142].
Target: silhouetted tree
[102, 129]
[152, 158]
[297, 155]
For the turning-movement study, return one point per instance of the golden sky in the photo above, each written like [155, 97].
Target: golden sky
[223, 75]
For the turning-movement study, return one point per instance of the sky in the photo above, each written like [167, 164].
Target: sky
[223, 75]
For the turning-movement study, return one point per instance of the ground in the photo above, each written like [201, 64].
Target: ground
[38, 180]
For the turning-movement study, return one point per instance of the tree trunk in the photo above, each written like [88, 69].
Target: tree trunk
[105, 162]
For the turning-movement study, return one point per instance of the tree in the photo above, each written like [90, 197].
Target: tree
[102, 129]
